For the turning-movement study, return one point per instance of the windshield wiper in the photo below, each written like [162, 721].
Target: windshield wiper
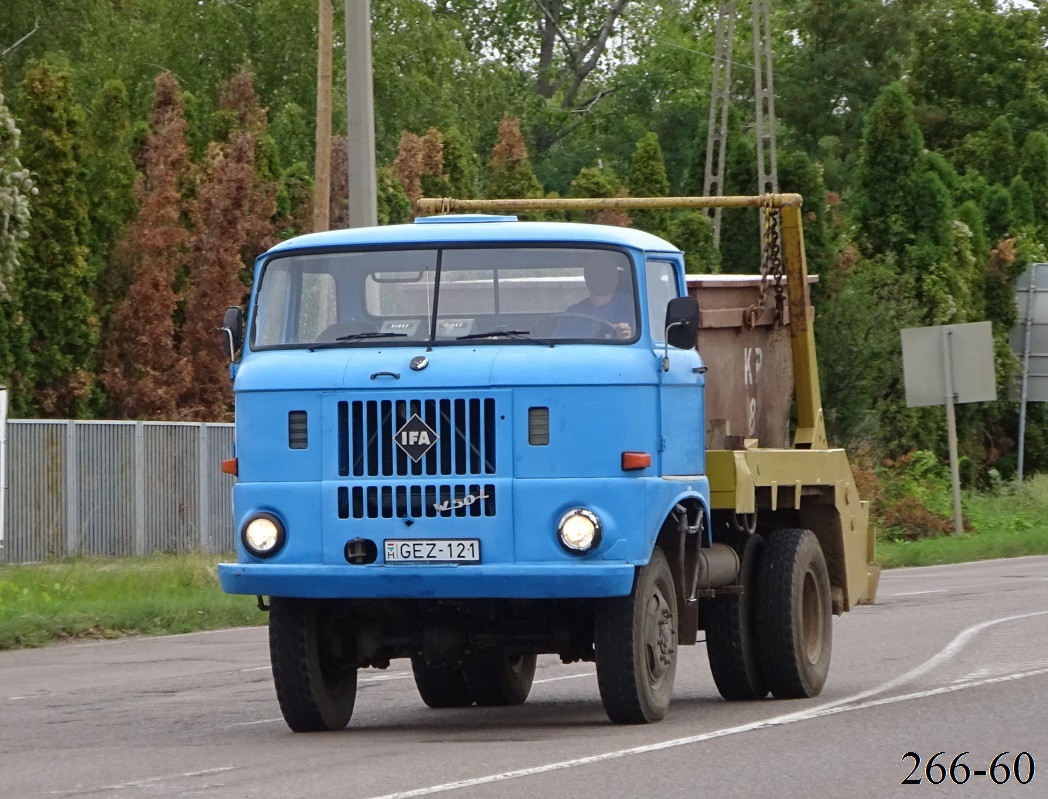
[338, 342]
[368, 334]
[519, 335]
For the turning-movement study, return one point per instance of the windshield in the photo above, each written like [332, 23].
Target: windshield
[505, 294]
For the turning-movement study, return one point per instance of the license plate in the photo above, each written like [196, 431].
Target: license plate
[437, 550]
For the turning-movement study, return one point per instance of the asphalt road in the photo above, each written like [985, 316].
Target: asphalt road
[953, 659]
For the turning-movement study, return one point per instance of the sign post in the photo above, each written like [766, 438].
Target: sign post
[932, 378]
[1031, 298]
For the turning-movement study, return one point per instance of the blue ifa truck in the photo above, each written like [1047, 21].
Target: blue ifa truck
[472, 440]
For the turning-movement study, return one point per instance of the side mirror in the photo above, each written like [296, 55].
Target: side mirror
[682, 322]
[233, 328]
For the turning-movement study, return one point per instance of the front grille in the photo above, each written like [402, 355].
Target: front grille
[416, 501]
[465, 430]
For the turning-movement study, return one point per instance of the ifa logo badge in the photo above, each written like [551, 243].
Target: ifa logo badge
[415, 437]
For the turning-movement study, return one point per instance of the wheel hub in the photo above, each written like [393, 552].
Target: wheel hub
[660, 644]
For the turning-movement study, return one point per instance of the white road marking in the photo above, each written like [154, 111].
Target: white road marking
[846, 704]
[915, 593]
[144, 783]
[568, 677]
[253, 723]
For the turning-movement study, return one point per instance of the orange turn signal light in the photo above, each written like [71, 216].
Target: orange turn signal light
[230, 467]
[633, 461]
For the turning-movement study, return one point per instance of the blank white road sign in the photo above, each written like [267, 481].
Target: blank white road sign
[971, 349]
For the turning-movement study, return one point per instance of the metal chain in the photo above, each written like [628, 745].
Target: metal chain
[771, 264]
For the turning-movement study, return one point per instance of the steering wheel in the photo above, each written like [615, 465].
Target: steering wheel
[605, 329]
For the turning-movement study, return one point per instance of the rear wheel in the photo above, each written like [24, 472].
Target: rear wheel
[794, 613]
[440, 688]
[498, 680]
[730, 633]
[636, 646]
[315, 687]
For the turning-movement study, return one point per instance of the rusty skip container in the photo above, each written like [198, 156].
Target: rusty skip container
[750, 385]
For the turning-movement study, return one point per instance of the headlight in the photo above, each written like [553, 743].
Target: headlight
[579, 530]
[263, 535]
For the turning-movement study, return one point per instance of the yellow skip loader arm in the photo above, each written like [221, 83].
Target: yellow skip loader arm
[809, 482]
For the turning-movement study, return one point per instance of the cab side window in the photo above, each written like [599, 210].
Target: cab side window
[661, 277]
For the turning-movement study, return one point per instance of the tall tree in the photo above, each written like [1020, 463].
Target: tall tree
[975, 59]
[561, 46]
[232, 213]
[109, 179]
[648, 178]
[419, 165]
[144, 374]
[55, 290]
[16, 189]
[1033, 166]
[821, 91]
[510, 173]
[600, 183]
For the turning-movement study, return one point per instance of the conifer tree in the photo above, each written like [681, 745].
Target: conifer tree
[511, 175]
[16, 189]
[1000, 152]
[648, 178]
[461, 165]
[419, 165]
[143, 373]
[600, 183]
[109, 178]
[890, 157]
[1033, 166]
[1023, 206]
[232, 214]
[55, 287]
[692, 231]
[394, 207]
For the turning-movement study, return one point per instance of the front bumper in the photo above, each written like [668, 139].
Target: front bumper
[491, 581]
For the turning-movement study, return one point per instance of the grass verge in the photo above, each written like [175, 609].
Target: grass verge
[1009, 523]
[111, 597]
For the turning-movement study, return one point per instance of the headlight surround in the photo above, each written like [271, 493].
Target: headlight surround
[263, 535]
[579, 530]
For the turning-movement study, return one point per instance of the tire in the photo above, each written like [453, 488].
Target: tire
[730, 633]
[794, 615]
[500, 680]
[315, 691]
[440, 688]
[636, 646]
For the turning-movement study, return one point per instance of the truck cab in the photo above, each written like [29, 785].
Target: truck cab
[469, 441]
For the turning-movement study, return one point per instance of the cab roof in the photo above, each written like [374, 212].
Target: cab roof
[478, 228]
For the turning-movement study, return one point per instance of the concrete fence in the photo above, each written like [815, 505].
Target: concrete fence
[113, 489]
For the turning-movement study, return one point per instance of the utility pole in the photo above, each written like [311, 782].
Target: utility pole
[322, 167]
[360, 113]
[720, 96]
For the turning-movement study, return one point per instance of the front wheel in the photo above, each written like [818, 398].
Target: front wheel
[794, 612]
[636, 646]
[315, 687]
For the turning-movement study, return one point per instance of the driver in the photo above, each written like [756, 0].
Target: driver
[606, 302]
